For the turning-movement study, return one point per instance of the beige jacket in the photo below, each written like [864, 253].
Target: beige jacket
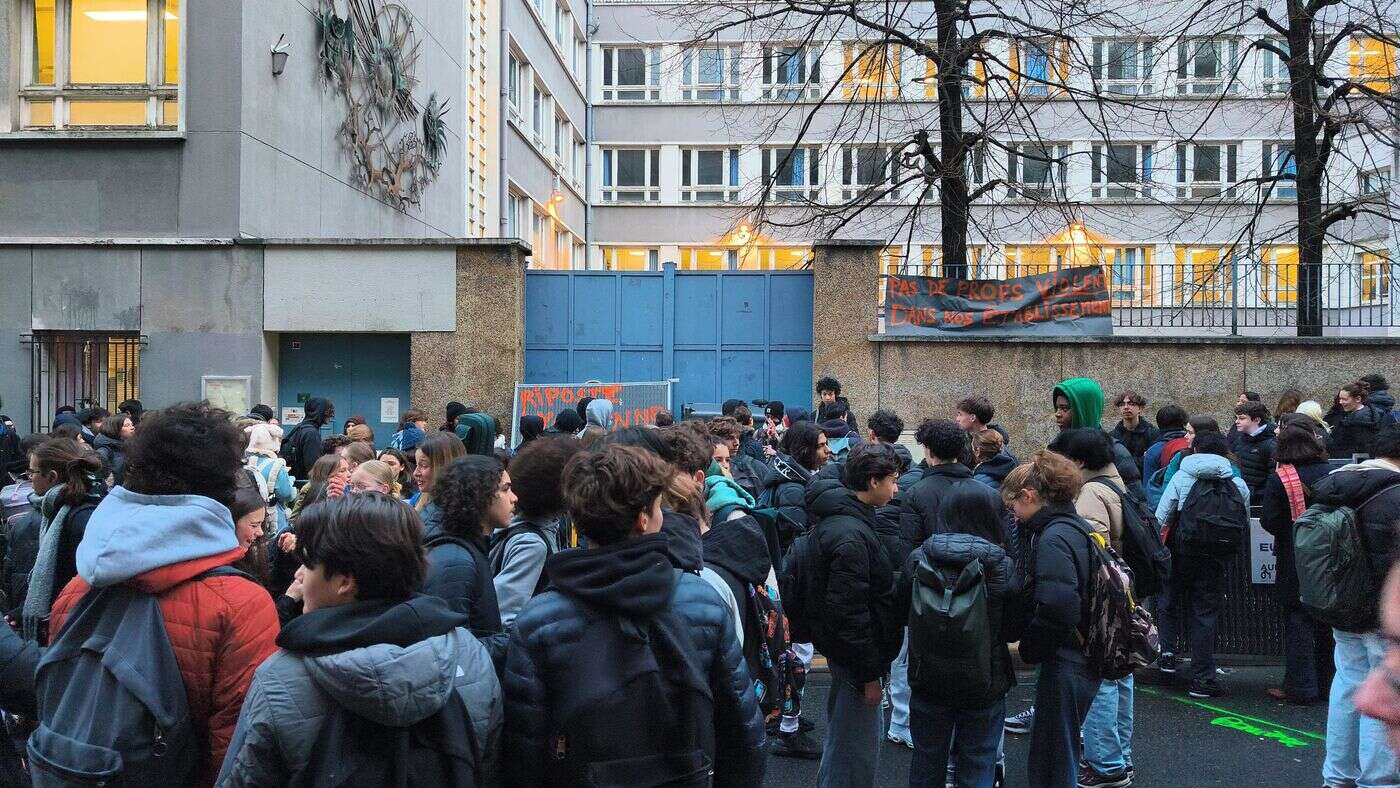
[1101, 506]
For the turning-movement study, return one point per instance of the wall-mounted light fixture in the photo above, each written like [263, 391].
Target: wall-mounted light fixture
[280, 50]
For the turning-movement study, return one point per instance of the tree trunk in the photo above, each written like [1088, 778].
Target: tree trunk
[1310, 162]
[953, 150]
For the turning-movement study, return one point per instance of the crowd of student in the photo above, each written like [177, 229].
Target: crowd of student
[642, 606]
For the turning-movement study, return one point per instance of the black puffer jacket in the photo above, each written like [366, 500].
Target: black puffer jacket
[1056, 597]
[1136, 441]
[918, 517]
[459, 571]
[737, 551]
[955, 551]
[911, 477]
[648, 638]
[113, 455]
[1354, 432]
[784, 491]
[1255, 456]
[1277, 519]
[1374, 492]
[859, 628]
[749, 473]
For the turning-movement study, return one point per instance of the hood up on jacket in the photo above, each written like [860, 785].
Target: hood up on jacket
[1351, 485]
[111, 443]
[130, 534]
[599, 413]
[66, 418]
[478, 433]
[905, 458]
[316, 408]
[394, 664]
[738, 546]
[631, 578]
[828, 497]
[835, 429]
[796, 414]
[1085, 401]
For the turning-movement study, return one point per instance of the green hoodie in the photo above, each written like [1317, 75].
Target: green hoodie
[1085, 401]
[722, 491]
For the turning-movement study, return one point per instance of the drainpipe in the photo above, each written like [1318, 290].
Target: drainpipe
[588, 134]
[502, 123]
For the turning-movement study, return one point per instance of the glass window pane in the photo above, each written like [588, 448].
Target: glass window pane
[170, 113]
[172, 43]
[631, 168]
[107, 42]
[106, 113]
[40, 114]
[1122, 60]
[1207, 64]
[711, 67]
[870, 165]
[709, 165]
[631, 67]
[43, 43]
[1121, 163]
[1207, 163]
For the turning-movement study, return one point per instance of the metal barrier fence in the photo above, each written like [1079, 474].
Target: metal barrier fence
[1229, 297]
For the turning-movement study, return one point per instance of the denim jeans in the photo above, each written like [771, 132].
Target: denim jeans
[1307, 656]
[1108, 730]
[971, 735]
[899, 691]
[1357, 751]
[854, 731]
[1063, 694]
[1194, 594]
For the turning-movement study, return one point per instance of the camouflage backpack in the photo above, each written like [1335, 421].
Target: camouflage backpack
[1121, 636]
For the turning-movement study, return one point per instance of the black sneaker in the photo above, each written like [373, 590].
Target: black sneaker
[1205, 688]
[1089, 778]
[1019, 724]
[798, 745]
[1167, 663]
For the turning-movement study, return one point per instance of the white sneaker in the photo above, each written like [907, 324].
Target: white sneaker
[900, 740]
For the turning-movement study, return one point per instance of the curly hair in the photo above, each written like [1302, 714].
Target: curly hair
[606, 490]
[688, 445]
[886, 425]
[464, 490]
[726, 427]
[537, 474]
[190, 448]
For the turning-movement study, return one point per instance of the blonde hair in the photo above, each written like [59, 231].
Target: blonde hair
[683, 495]
[1313, 410]
[1055, 477]
[382, 473]
[264, 438]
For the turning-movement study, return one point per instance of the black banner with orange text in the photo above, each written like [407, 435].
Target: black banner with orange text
[1068, 302]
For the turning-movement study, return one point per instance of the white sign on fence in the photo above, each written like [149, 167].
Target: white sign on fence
[1263, 564]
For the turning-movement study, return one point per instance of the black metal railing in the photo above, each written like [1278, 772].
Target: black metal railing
[82, 370]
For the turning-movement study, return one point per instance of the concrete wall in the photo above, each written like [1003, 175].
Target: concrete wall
[920, 378]
[377, 288]
[16, 266]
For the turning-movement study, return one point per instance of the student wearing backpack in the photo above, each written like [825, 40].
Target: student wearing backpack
[374, 684]
[1055, 611]
[164, 533]
[804, 451]
[1307, 643]
[857, 628]
[1205, 511]
[1171, 438]
[956, 708]
[519, 550]
[1356, 748]
[1108, 730]
[474, 497]
[668, 698]
[67, 479]
[302, 446]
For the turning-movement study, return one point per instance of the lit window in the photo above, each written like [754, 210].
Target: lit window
[709, 175]
[631, 74]
[871, 71]
[1373, 63]
[630, 258]
[1031, 259]
[1202, 274]
[1278, 275]
[514, 204]
[706, 258]
[709, 74]
[1279, 161]
[100, 63]
[791, 71]
[1375, 274]
[1038, 170]
[1204, 66]
[1375, 182]
[1205, 169]
[774, 258]
[631, 174]
[1130, 274]
[1040, 68]
[1121, 171]
[1123, 66]
[930, 77]
[867, 169]
[792, 173]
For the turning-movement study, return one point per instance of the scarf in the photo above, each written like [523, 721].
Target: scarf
[1293, 487]
[41, 590]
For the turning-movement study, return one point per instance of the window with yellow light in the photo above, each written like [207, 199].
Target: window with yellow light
[871, 71]
[1200, 273]
[629, 258]
[1278, 274]
[1375, 274]
[100, 63]
[1372, 62]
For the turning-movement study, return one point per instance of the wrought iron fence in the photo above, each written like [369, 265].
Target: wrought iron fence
[82, 370]
[1207, 296]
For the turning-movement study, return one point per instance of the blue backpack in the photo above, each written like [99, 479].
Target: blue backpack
[111, 699]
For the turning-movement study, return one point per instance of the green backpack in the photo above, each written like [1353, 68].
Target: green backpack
[1336, 582]
[950, 637]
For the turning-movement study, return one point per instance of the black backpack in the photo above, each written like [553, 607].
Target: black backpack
[111, 700]
[1213, 520]
[950, 635]
[800, 583]
[291, 447]
[1143, 550]
[503, 537]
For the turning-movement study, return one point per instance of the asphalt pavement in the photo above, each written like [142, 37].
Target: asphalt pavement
[1243, 739]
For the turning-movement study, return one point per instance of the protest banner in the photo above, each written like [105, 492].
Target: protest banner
[634, 404]
[1068, 302]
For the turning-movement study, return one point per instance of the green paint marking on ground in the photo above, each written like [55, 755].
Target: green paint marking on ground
[1220, 710]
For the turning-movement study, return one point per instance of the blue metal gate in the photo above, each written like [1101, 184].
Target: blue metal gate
[744, 334]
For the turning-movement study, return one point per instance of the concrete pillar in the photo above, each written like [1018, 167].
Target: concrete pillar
[480, 362]
[845, 304]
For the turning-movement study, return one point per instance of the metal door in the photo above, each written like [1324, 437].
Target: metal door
[357, 372]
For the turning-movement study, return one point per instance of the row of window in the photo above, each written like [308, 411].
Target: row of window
[1040, 170]
[552, 244]
[537, 114]
[558, 22]
[782, 71]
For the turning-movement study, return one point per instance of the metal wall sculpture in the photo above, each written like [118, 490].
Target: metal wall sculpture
[369, 57]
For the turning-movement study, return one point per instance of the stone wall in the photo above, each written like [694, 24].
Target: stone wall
[480, 362]
[920, 378]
